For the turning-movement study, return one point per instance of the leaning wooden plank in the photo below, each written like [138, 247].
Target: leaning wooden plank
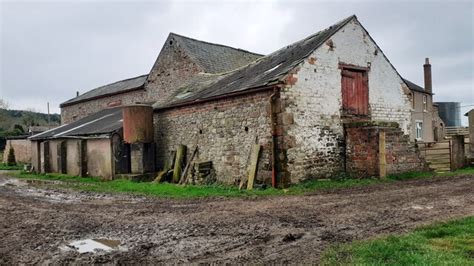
[243, 180]
[169, 163]
[160, 176]
[185, 171]
[178, 163]
[253, 165]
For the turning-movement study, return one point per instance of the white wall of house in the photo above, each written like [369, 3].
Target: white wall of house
[315, 101]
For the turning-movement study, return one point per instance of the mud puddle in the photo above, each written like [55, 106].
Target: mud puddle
[94, 245]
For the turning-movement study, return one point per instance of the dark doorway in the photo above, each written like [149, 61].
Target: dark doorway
[121, 152]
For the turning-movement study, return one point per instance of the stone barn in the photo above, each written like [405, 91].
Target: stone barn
[315, 106]
[328, 104]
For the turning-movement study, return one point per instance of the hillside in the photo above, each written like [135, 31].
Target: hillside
[17, 122]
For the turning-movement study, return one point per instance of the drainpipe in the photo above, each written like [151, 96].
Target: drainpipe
[274, 135]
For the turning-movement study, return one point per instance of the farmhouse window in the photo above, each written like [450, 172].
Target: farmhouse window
[425, 103]
[355, 92]
[419, 130]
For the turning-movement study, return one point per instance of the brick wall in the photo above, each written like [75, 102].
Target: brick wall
[362, 151]
[224, 130]
[22, 149]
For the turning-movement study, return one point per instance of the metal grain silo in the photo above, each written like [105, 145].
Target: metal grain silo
[450, 112]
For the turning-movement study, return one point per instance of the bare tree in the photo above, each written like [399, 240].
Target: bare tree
[4, 104]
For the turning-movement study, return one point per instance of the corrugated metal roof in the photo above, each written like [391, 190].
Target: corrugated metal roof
[103, 122]
[264, 71]
[215, 58]
[412, 86]
[110, 89]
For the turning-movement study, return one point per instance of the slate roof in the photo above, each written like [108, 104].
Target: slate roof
[214, 58]
[103, 122]
[412, 86]
[110, 89]
[264, 71]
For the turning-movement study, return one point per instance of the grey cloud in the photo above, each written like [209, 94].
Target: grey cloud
[49, 50]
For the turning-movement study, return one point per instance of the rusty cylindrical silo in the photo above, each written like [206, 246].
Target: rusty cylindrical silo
[137, 123]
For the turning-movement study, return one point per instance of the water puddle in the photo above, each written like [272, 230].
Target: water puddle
[420, 207]
[93, 245]
[10, 182]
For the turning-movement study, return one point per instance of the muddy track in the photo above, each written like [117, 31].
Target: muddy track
[35, 222]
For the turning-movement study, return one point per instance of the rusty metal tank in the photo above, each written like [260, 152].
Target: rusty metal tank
[137, 123]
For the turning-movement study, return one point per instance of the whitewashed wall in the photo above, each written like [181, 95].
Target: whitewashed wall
[315, 101]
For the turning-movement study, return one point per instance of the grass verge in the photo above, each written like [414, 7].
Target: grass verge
[4, 166]
[449, 243]
[192, 191]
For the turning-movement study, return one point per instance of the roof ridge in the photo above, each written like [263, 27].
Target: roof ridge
[340, 23]
[120, 81]
[100, 87]
[110, 84]
[216, 44]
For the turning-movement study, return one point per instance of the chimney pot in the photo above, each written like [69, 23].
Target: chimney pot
[427, 74]
[77, 93]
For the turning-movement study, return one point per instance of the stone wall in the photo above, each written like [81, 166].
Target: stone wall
[224, 130]
[315, 139]
[363, 151]
[22, 149]
[77, 111]
[171, 68]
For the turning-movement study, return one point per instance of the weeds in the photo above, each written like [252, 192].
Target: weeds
[449, 243]
[218, 190]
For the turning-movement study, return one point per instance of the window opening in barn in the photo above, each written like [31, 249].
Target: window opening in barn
[419, 130]
[355, 92]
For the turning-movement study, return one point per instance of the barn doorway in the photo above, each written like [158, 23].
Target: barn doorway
[355, 91]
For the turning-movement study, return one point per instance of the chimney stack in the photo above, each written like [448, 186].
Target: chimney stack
[77, 93]
[427, 71]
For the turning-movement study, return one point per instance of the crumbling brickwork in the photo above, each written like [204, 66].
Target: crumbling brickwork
[363, 151]
[313, 96]
[224, 130]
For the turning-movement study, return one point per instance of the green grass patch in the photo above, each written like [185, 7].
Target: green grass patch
[192, 191]
[449, 243]
[4, 166]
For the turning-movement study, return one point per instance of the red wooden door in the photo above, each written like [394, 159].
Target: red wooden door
[355, 92]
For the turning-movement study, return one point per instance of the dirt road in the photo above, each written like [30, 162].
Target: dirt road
[36, 222]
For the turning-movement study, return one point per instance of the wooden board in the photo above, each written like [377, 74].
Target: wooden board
[253, 165]
[160, 176]
[185, 172]
[382, 154]
[178, 163]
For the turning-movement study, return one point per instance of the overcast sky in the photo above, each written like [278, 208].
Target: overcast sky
[50, 50]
